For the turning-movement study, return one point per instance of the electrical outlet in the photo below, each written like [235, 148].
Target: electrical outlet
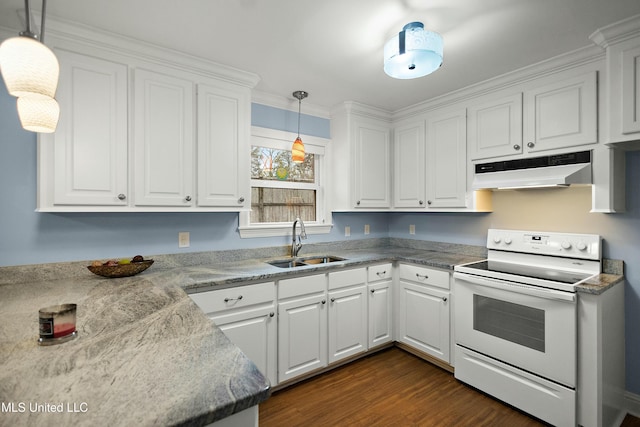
[347, 231]
[367, 230]
[412, 229]
[183, 239]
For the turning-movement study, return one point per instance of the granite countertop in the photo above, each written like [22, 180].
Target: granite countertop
[146, 354]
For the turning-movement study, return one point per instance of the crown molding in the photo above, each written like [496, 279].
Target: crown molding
[289, 103]
[617, 32]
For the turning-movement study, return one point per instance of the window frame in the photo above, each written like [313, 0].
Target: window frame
[283, 140]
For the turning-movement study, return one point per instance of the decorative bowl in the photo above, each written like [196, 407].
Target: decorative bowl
[120, 270]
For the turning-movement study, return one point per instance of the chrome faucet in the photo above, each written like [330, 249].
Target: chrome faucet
[295, 247]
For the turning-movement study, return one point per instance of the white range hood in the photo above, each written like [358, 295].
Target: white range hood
[536, 172]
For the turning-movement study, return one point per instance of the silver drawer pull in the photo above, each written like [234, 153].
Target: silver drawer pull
[421, 276]
[381, 273]
[233, 299]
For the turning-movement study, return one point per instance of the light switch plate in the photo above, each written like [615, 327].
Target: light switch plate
[347, 231]
[412, 229]
[367, 229]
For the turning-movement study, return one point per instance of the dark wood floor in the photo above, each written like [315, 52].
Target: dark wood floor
[389, 388]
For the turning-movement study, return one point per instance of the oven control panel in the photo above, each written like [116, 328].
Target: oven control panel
[585, 246]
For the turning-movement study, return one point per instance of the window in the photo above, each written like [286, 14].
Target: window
[281, 190]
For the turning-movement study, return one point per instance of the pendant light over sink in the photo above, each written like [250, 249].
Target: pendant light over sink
[297, 150]
[413, 52]
[30, 71]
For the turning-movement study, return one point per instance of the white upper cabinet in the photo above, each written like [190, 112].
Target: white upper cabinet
[133, 137]
[622, 44]
[164, 140]
[495, 127]
[372, 149]
[561, 114]
[223, 146]
[85, 161]
[361, 158]
[447, 159]
[409, 172]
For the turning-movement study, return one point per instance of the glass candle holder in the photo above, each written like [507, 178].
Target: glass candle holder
[57, 324]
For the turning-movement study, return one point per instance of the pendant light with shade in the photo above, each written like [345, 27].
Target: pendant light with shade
[30, 71]
[297, 150]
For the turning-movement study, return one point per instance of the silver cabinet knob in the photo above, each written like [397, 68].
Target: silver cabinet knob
[421, 202]
[324, 301]
[373, 291]
[358, 203]
[530, 144]
[444, 299]
[429, 202]
[241, 200]
[333, 300]
[188, 198]
[121, 196]
[516, 147]
[272, 314]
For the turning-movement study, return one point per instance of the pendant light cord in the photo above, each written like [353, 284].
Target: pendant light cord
[299, 109]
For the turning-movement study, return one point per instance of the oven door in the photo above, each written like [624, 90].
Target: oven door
[525, 326]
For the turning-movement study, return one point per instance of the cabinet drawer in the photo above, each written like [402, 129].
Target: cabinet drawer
[380, 272]
[302, 286]
[238, 297]
[427, 276]
[340, 279]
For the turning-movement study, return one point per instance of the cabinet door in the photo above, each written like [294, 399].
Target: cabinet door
[424, 319]
[254, 332]
[495, 128]
[347, 322]
[447, 159]
[409, 166]
[223, 150]
[302, 336]
[380, 313]
[372, 172]
[562, 114]
[630, 90]
[164, 141]
[90, 144]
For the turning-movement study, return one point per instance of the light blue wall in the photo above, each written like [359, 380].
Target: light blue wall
[28, 237]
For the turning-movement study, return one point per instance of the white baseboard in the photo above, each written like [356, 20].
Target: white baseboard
[632, 403]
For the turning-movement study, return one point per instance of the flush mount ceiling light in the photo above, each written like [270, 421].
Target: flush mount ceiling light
[297, 150]
[30, 70]
[414, 52]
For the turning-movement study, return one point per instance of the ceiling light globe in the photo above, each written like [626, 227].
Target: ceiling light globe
[38, 114]
[29, 68]
[423, 53]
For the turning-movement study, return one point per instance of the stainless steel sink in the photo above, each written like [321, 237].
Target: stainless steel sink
[301, 262]
[291, 263]
[322, 259]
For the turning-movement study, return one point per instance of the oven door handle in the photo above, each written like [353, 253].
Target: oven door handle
[515, 287]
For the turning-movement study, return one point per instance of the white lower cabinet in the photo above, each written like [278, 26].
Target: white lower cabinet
[423, 310]
[246, 315]
[380, 307]
[302, 325]
[347, 313]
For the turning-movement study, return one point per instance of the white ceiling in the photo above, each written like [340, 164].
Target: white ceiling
[333, 48]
